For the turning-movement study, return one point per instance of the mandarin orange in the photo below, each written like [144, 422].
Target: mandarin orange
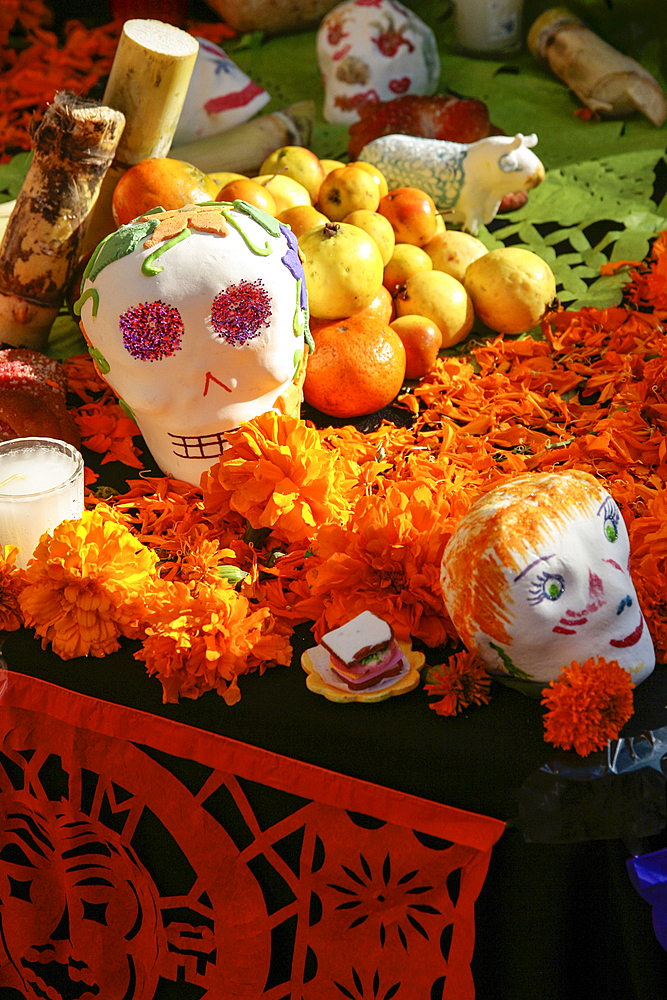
[161, 181]
[358, 367]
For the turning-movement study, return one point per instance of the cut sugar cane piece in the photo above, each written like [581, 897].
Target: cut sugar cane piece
[603, 79]
[243, 149]
[73, 146]
[148, 82]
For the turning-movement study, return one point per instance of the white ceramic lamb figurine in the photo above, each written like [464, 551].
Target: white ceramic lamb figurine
[466, 180]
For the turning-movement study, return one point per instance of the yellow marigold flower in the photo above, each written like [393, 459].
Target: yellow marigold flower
[278, 475]
[202, 638]
[587, 705]
[89, 582]
[11, 585]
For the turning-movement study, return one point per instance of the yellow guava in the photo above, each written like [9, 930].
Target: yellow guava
[343, 269]
[511, 289]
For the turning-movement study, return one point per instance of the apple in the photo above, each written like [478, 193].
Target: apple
[375, 173]
[222, 177]
[299, 163]
[451, 251]
[330, 165]
[405, 261]
[412, 214]
[250, 191]
[343, 269]
[286, 192]
[377, 227]
[441, 299]
[422, 340]
[346, 190]
[301, 218]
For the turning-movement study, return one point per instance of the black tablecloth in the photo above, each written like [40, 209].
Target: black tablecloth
[554, 920]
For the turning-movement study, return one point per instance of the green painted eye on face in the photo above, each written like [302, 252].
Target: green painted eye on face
[611, 520]
[610, 529]
[553, 587]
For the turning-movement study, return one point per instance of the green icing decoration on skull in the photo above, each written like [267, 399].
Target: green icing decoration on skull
[119, 244]
[262, 218]
[99, 360]
[127, 409]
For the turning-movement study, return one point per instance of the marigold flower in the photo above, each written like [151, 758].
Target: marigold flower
[89, 582]
[278, 475]
[202, 638]
[648, 541]
[587, 705]
[386, 559]
[12, 581]
[105, 428]
[461, 681]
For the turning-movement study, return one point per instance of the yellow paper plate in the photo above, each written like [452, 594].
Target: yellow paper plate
[322, 680]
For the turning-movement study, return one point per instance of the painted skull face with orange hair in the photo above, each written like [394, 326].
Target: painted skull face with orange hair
[537, 575]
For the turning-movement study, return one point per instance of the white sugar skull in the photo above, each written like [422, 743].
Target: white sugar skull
[197, 319]
[373, 50]
[537, 575]
[220, 95]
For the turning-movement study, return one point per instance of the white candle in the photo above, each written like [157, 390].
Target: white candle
[41, 484]
[488, 27]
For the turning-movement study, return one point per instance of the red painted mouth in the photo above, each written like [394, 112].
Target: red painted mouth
[630, 640]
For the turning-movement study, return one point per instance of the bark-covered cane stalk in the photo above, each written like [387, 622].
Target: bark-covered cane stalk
[73, 146]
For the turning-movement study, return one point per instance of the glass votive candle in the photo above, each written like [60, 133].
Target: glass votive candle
[41, 484]
[488, 28]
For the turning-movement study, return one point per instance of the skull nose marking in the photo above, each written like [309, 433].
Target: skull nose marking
[211, 378]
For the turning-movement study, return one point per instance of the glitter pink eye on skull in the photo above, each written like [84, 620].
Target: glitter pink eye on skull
[240, 312]
[151, 331]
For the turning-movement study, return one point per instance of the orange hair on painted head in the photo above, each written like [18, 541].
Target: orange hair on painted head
[495, 539]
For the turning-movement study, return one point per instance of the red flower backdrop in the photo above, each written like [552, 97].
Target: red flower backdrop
[142, 859]
[31, 73]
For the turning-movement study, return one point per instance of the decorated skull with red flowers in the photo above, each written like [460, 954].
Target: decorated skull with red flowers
[197, 319]
[373, 50]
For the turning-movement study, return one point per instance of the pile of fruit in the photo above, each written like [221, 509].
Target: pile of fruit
[389, 286]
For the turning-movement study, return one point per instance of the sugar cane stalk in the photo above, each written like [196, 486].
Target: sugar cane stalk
[148, 82]
[73, 146]
[243, 149]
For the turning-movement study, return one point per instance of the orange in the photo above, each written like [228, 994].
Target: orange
[358, 367]
[159, 181]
